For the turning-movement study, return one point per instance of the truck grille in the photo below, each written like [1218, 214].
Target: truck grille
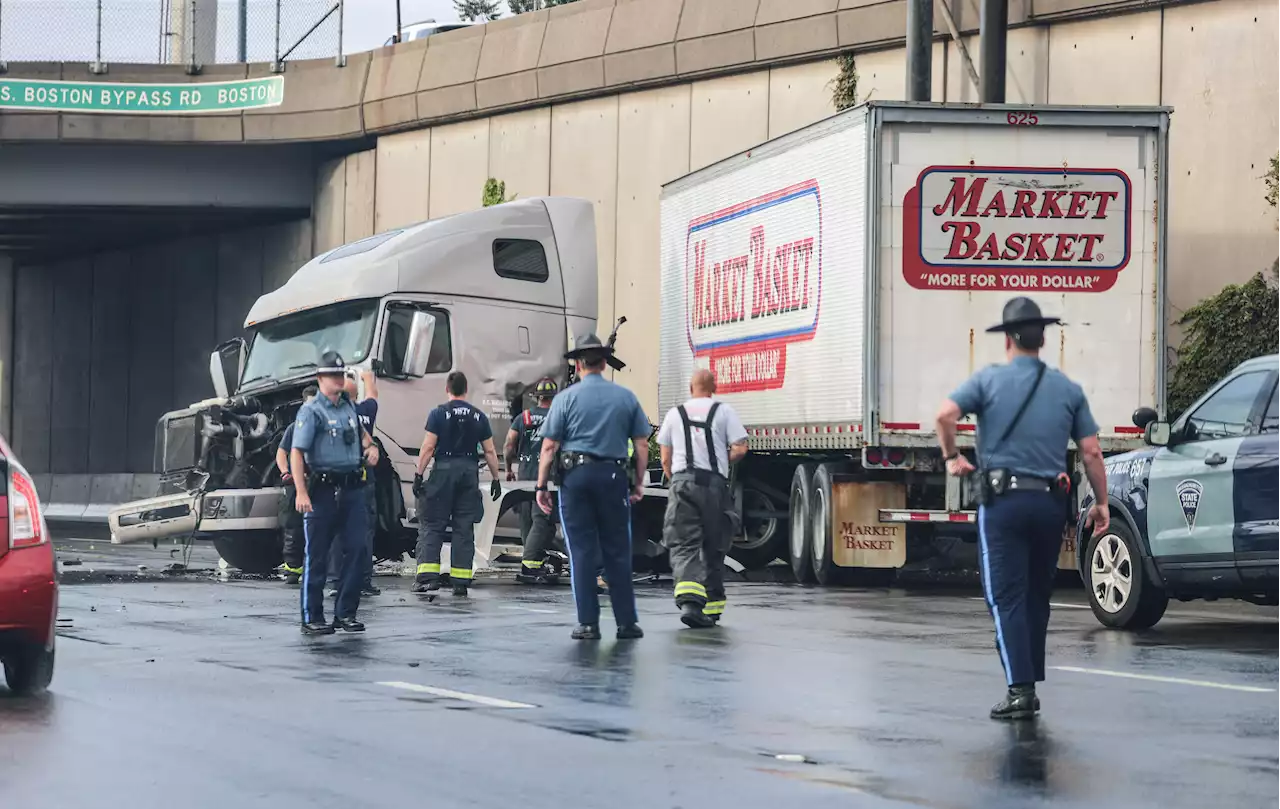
[177, 443]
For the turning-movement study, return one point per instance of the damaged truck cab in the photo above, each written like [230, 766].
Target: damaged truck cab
[494, 293]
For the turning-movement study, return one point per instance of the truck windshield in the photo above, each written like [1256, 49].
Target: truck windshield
[287, 346]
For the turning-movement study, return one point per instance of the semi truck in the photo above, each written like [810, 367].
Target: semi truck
[838, 281]
[495, 293]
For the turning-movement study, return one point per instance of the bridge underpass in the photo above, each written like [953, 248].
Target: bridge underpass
[121, 267]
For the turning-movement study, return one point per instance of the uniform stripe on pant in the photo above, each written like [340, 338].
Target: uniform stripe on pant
[713, 608]
[306, 565]
[988, 590]
[429, 567]
[564, 529]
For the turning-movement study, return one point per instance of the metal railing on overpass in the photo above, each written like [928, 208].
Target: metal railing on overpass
[187, 32]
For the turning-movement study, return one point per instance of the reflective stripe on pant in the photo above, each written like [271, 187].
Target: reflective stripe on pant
[1019, 537]
[291, 520]
[338, 555]
[337, 515]
[450, 499]
[538, 533]
[595, 515]
[696, 532]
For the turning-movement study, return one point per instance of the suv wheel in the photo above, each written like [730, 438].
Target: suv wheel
[28, 669]
[1120, 593]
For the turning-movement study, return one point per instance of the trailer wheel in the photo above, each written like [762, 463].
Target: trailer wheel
[255, 552]
[801, 541]
[824, 566]
[762, 538]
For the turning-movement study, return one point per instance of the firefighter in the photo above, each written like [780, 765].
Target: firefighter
[289, 516]
[1026, 414]
[523, 448]
[699, 440]
[450, 497]
[325, 459]
[585, 438]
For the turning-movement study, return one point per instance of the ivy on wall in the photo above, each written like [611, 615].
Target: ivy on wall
[844, 87]
[495, 193]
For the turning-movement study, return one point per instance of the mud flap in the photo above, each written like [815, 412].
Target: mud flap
[1067, 556]
[860, 539]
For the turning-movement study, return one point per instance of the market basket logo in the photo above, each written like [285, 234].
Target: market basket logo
[1017, 229]
[753, 285]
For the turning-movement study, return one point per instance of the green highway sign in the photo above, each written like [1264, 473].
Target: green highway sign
[148, 99]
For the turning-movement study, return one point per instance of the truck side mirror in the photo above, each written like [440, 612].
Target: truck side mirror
[1144, 416]
[422, 331]
[1157, 433]
[225, 366]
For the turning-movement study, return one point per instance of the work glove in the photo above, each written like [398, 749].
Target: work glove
[495, 490]
[418, 486]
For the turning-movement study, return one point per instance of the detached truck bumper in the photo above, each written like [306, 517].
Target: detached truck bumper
[200, 514]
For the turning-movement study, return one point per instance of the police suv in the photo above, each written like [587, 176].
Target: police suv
[1193, 515]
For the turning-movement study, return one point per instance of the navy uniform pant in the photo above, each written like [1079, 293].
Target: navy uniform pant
[337, 516]
[450, 500]
[338, 559]
[595, 516]
[1020, 536]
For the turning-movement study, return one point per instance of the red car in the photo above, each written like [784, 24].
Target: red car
[28, 581]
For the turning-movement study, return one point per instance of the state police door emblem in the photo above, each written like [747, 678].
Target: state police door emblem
[1189, 492]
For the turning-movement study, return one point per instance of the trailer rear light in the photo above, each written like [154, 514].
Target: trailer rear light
[896, 457]
[874, 456]
[26, 528]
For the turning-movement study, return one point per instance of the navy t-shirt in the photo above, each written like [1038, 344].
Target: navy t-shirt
[458, 428]
[367, 412]
[286, 442]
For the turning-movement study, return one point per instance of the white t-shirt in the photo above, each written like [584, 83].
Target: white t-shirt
[725, 430]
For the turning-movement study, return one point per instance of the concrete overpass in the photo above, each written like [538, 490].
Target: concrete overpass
[136, 242]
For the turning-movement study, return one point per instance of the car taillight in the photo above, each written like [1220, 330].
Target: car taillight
[25, 526]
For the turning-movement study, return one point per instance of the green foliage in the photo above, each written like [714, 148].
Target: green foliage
[844, 87]
[1239, 323]
[522, 6]
[549, 3]
[495, 193]
[477, 10]
[1272, 179]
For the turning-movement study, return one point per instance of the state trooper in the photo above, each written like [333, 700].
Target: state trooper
[290, 519]
[450, 497]
[584, 438]
[522, 449]
[367, 413]
[325, 460]
[697, 529]
[1026, 414]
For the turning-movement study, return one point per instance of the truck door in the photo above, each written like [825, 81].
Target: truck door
[1192, 489]
[405, 399]
[1257, 499]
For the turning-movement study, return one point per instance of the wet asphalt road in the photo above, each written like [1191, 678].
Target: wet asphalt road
[190, 692]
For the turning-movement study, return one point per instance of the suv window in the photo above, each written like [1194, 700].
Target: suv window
[1225, 414]
[521, 259]
[1271, 419]
[396, 341]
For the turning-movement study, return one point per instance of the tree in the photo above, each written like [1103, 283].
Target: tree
[495, 193]
[1272, 178]
[844, 87]
[477, 10]
[521, 6]
[549, 3]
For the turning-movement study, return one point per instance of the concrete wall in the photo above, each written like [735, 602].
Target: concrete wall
[1213, 62]
[106, 344]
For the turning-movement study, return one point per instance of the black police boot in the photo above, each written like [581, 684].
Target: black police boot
[692, 616]
[348, 625]
[1020, 703]
[586, 632]
[630, 632]
[317, 628]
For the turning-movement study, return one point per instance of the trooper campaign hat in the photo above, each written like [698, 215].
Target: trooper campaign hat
[588, 345]
[331, 363]
[1019, 313]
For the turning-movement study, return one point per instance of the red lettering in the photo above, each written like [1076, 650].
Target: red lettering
[1035, 247]
[964, 241]
[997, 205]
[1063, 250]
[759, 290]
[781, 261]
[990, 249]
[1089, 239]
[1022, 204]
[1079, 199]
[958, 196]
[1103, 198]
[699, 280]
[805, 249]
[1050, 203]
[1014, 245]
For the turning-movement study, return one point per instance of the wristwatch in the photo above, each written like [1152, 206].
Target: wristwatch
[951, 457]
[540, 488]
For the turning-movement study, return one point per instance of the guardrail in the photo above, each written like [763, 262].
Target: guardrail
[193, 33]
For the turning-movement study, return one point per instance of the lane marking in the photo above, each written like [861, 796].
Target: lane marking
[1058, 604]
[528, 609]
[1155, 678]
[492, 702]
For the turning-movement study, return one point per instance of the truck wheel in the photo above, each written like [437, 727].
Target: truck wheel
[824, 566]
[28, 669]
[1120, 593]
[801, 541]
[257, 552]
[762, 538]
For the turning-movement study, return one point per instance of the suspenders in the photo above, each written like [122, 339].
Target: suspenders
[706, 432]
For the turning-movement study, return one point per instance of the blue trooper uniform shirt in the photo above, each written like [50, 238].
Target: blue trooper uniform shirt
[1038, 445]
[595, 417]
[459, 429]
[328, 433]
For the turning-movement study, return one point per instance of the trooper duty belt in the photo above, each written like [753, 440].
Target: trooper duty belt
[340, 480]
